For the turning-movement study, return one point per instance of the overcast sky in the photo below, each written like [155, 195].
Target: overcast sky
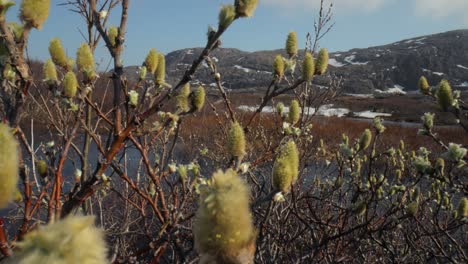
[168, 25]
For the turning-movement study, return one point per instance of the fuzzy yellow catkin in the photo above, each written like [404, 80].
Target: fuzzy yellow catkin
[245, 8]
[151, 61]
[223, 223]
[365, 139]
[35, 12]
[278, 66]
[286, 167]
[42, 167]
[463, 207]
[183, 98]
[57, 53]
[423, 85]
[112, 33]
[198, 98]
[160, 73]
[291, 44]
[444, 95]
[321, 64]
[9, 164]
[70, 85]
[236, 141]
[308, 67]
[227, 14]
[85, 61]
[50, 72]
[72, 240]
[294, 112]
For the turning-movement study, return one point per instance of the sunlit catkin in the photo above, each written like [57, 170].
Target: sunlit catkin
[227, 14]
[294, 112]
[160, 73]
[444, 95]
[198, 99]
[42, 168]
[112, 33]
[183, 98]
[286, 167]
[151, 61]
[278, 67]
[236, 141]
[423, 85]
[70, 85]
[291, 44]
[35, 12]
[85, 61]
[463, 207]
[365, 139]
[57, 53]
[308, 67]
[321, 64]
[9, 163]
[245, 8]
[223, 227]
[50, 72]
[72, 240]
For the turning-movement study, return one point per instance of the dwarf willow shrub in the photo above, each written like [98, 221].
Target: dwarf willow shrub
[294, 198]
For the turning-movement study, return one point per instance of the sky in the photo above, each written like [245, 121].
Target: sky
[168, 25]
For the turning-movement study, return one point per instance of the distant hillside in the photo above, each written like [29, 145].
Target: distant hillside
[399, 64]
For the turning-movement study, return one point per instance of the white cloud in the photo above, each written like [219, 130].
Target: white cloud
[441, 8]
[339, 5]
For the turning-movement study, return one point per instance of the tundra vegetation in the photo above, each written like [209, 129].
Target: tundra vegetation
[249, 188]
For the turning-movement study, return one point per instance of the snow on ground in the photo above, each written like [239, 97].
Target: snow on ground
[463, 84]
[436, 73]
[337, 55]
[189, 52]
[360, 95]
[350, 60]
[335, 63]
[398, 89]
[416, 41]
[462, 67]
[215, 59]
[370, 114]
[324, 110]
[242, 68]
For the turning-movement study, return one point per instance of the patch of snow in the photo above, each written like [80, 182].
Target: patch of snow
[462, 67]
[394, 67]
[337, 55]
[436, 73]
[398, 89]
[215, 59]
[463, 84]
[242, 68]
[377, 55]
[370, 114]
[325, 110]
[416, 41]
[189, 52]
[335, 63]
[204, 64]
[360, 95]
[350, 60]
[265, 72]
[213, 84]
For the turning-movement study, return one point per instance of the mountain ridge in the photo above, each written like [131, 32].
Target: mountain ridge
[363, 70]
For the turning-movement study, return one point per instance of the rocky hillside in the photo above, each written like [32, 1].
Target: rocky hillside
[396, 65]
